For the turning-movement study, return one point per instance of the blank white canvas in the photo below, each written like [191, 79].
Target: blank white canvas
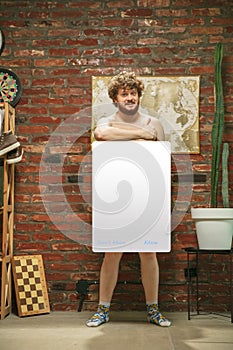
[131, 196]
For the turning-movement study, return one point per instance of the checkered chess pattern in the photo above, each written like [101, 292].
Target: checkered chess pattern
[30, 285]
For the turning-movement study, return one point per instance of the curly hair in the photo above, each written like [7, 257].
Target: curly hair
[124, 80]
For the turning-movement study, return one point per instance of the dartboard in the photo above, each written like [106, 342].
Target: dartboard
[2, 41]
[10, 87]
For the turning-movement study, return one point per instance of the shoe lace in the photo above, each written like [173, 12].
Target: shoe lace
[2, 137]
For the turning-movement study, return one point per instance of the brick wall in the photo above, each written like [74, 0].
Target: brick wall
[55, 47]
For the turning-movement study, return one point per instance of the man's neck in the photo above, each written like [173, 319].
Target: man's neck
[127, 118]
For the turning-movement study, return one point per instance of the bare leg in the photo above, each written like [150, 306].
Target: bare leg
[150, 281]
[108, 276]
[150, 276]
[108, 279]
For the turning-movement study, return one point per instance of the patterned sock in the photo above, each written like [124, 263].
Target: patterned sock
[100, 316]
[155, 316]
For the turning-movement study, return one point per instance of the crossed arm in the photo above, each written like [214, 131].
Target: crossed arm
[108, 130]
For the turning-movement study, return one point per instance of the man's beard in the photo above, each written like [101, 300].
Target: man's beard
[126, 111]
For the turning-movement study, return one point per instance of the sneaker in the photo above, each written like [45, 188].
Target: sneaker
[8, 142]
[155, 316]
[100, 317]
[15, 155]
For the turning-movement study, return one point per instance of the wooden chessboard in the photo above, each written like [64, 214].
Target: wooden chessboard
[30, 285]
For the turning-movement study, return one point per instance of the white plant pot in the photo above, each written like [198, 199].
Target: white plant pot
[214, 227]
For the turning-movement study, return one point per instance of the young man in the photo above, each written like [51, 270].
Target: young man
[128, 123]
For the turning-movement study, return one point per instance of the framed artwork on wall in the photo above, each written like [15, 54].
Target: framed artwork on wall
[174, 100]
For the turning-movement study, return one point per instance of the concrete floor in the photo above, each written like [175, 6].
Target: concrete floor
[126, 331]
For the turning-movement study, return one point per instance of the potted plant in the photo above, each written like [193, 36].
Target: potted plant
[214, 225]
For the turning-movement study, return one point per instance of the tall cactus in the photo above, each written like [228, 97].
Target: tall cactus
[218, 125]
[225, 187]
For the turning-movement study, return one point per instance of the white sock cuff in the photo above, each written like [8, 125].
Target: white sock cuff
[152, 302]
[105, 303]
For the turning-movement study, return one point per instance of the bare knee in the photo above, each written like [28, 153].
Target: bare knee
[112, 258]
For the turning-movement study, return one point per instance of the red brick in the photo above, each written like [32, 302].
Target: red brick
[36, 91]
[79, 81]
[47, 256]
[85, 61]
[24, 33]
[55, 297]
[170, 71]
[98, 32]
[22, 237]
[118, 61]
[53, 62]
[21, 53]
[100, 71]
[188, 21]
[152, 41]
[31, 247]
[48, 82]
[34, 129]
[171, 13]
[98, 52]
[206, 31]
[137, 13]
[102, 13]
[206, 12]
[66, 246]
[48, 43]
[152, 3]
[84, 100]
[202, 70]
[64, 110]
[28, 209]
[190, 40]
[22, 198]
[40, 140]
[34, 14]
[136, 50]
[229, 29]
[68, 91]
[67, 13]
[40, 218]
[122, 22]
[80, 4]
[83, 42]
[64, 266]
[119, 3]
[28, 188]
[57, 276]
[15, 62]
[12, 23]
[223, 21]
[50, 236]
[64, 52]
[49, 24]
[46, 100]
[63, 32]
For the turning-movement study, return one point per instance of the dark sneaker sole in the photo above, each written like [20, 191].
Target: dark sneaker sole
[9, 148]
[15, 160]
